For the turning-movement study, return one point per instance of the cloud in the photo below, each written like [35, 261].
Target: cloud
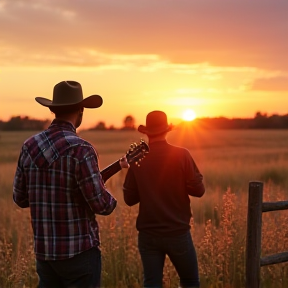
[222, 33]
[270, 84]
[84, 58]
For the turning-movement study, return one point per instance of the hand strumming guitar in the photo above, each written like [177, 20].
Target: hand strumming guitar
[124, 162]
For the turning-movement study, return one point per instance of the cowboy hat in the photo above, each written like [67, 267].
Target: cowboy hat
[156, 124]
[69, 93]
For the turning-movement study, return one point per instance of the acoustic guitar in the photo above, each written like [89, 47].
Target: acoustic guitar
[135, 154]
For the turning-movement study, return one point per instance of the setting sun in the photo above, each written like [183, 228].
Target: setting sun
[188, 115]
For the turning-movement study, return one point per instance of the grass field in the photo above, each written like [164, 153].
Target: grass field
[228, 159]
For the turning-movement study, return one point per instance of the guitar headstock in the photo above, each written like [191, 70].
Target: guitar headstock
[137, 152]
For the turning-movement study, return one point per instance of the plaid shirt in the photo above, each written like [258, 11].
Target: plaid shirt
[59, 179]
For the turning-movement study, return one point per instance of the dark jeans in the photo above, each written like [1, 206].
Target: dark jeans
[83, 270]
[181, 252]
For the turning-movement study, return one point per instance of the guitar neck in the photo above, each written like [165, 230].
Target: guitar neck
[135, 154]
[110, 170]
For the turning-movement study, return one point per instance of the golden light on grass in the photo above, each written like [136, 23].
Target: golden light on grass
[188, 115]
[219, 218]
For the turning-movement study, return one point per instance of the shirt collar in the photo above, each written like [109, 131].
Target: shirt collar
[63, 124]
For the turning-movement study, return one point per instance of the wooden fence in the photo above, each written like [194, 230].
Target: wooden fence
[256, 207]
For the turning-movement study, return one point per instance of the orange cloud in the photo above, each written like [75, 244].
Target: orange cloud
[222, 32]
[271, 84]
[146, 54]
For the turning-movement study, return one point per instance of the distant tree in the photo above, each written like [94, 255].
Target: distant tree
[24, 123]
[100, 126]
[15, 123]
[129, 123]
[275, 121]
[111, 127]
[260, 120]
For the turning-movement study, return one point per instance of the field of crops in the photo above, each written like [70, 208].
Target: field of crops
[228, 159]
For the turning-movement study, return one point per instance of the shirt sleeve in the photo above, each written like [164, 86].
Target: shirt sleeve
[92, 186]
[20, 194]
[194, 181]
[130, 189]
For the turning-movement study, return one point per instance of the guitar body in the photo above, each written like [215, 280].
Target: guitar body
[135, 154]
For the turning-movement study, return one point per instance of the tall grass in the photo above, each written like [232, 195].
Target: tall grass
[228, 161]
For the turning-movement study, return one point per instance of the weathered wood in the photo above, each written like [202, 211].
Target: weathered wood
[253, 240]
[274, 259]
[273, 206]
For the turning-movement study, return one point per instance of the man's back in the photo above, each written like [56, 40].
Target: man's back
[162, 185]
[58, 171]
[58, 178]
[164, 181]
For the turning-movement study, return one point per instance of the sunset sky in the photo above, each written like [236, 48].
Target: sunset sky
[218, 57]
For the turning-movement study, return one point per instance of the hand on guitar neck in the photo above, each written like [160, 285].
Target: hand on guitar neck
[124, 162]
[135, 154]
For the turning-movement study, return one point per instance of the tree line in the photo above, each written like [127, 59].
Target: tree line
[260, 121]
[17, 123]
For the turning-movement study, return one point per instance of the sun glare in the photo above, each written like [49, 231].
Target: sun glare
[188, 115]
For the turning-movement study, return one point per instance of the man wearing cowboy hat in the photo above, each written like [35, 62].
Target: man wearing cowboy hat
[59, 179]
[162, 186]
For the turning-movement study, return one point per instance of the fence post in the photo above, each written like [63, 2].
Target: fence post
[254, 229]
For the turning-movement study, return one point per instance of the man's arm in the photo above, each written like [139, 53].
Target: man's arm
[194, 183]
[130, 190]
[195, 186]
[20, 195]
[92, 186]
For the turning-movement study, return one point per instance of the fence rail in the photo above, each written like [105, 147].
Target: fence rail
[256, 207]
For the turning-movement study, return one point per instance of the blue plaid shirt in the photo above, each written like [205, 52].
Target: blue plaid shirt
[58, 177]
